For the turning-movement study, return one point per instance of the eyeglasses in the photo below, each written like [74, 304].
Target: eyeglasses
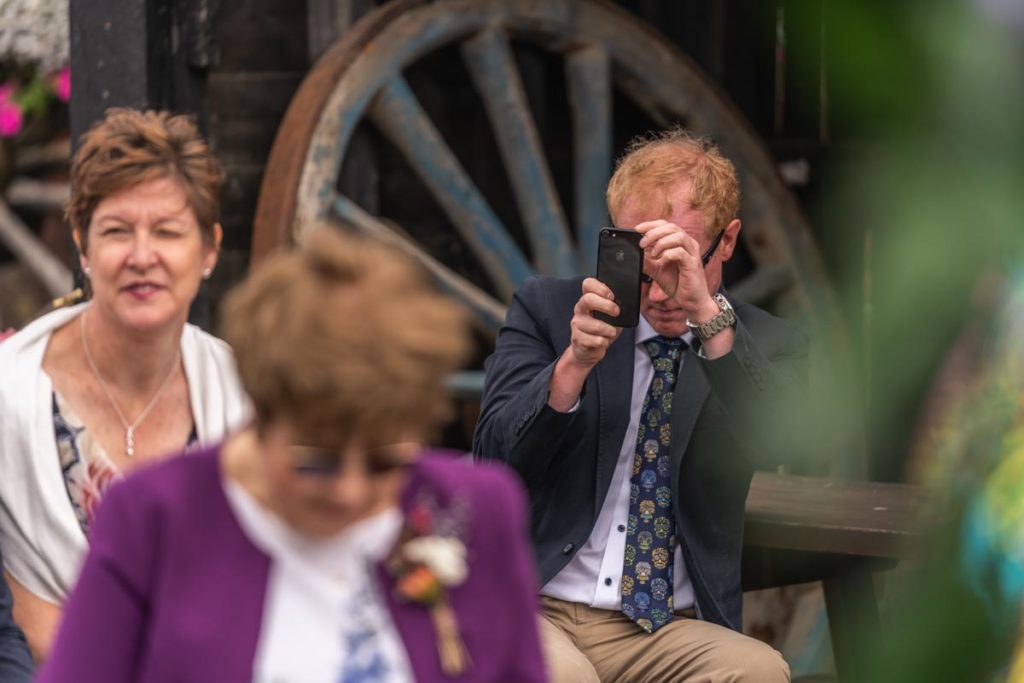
[322, 462]
[705, 257]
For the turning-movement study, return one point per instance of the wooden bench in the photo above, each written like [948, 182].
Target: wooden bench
[802, 529]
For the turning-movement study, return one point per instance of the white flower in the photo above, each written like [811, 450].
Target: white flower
[444, 556]
[35, 32]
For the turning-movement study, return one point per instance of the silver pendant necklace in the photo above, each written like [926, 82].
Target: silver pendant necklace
[129, 427]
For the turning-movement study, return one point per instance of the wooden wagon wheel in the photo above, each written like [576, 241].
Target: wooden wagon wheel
[363, 77]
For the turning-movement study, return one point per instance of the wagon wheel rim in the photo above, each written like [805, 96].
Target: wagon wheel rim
[605, 47]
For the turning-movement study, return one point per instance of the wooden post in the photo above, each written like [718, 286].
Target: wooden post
[139, 53]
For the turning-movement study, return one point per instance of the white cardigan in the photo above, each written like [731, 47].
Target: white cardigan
[42, 541]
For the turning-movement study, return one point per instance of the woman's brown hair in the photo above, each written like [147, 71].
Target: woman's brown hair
[345, 335]
[129, 147]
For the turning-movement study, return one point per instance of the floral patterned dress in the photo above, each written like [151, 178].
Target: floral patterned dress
[88, 471]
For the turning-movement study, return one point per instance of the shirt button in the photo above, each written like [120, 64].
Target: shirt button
[622, 527]
[608, 581]
[567, 549]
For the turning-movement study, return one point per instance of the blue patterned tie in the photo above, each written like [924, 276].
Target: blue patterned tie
[651, 531]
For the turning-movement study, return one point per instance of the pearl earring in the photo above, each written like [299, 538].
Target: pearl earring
[88, 271]
[207, 273]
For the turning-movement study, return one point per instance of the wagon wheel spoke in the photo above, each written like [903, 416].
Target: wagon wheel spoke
[23, 243]
[588, 74]
[489, 60]
[487, 310]
[399, 116]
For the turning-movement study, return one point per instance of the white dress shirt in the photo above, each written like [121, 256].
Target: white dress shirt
[324, 617]
[593, 575]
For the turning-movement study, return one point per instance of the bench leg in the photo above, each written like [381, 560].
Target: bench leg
[852, 614]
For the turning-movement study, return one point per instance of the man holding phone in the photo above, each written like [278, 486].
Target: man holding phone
[637, 445]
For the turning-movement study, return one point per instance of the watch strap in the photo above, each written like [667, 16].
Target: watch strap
[725, 318]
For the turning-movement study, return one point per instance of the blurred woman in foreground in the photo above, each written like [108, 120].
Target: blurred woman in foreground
[321, 543]
[91, 391]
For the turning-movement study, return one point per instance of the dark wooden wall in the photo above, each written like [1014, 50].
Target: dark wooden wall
[263, 57]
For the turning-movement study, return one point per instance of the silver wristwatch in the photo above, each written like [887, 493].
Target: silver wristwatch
[725, 318]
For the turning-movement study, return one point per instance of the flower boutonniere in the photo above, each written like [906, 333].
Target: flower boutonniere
[429, 560]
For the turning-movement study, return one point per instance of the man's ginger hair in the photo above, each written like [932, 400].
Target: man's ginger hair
[655, 164]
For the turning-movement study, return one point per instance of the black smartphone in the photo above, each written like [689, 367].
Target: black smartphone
[619, 266]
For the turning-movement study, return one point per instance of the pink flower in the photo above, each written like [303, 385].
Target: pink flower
[420, 520]
[61, 82]
[10, 112]
[10, 120]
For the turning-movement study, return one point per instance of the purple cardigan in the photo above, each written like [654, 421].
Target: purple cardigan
[172, 589]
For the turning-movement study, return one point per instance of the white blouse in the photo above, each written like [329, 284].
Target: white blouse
[40, 532]
[324, 618]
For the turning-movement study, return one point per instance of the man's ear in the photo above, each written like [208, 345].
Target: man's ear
[728, 245]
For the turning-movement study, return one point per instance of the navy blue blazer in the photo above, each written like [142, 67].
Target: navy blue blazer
[728, 415]
[15, 660]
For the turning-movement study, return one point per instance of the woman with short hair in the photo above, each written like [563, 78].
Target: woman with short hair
[91, 391]
[322, 543]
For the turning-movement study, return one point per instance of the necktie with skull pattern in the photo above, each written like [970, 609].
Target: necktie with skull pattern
[650, 533]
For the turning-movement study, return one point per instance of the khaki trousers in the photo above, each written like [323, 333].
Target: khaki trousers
[587, 645]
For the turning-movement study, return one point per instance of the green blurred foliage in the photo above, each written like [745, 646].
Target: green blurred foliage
[929, 96]
[934, 90]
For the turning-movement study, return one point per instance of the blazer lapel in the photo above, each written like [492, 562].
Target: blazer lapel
[614, 383]
[687, 400]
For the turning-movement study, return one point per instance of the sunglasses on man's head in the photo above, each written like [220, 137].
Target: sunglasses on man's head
[705, 257]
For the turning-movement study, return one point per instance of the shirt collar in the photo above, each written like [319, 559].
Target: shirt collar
[644, 332]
